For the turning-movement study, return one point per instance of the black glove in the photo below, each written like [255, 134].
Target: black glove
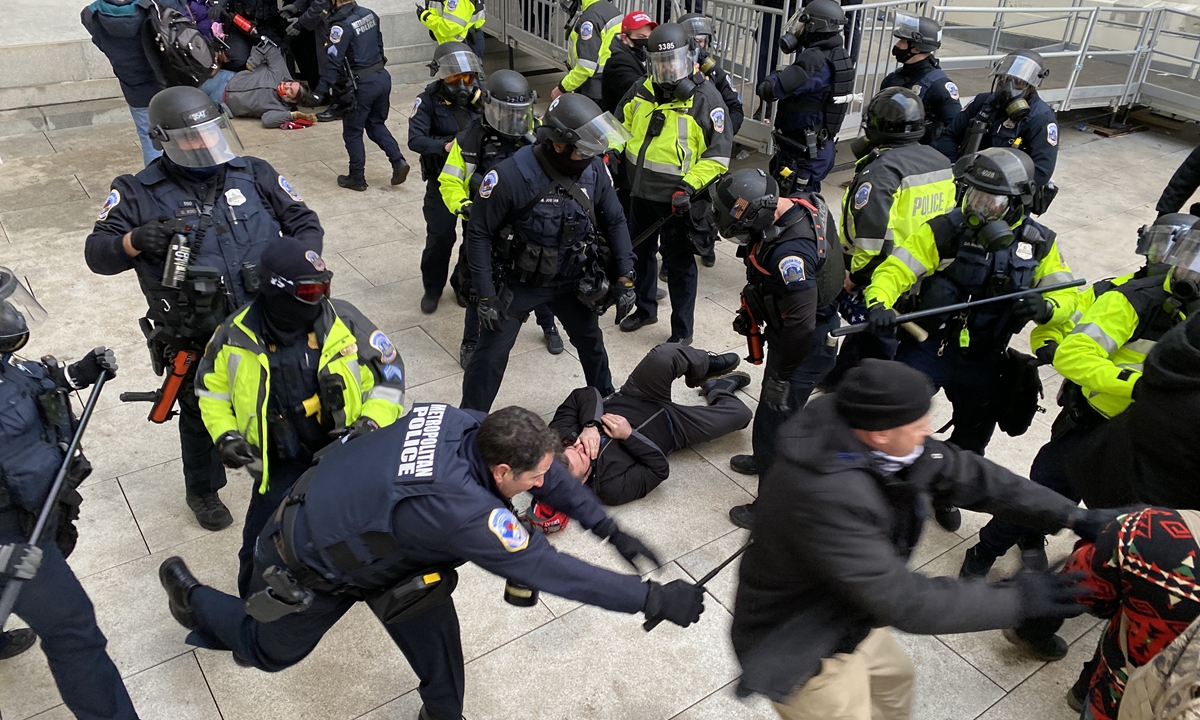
[1049, 595]
[317, 99]
[489, 315]
[289, 10]
[623, 297]
[681, 201]
[1088, 523]
[235, 451]
[20, 560]
[775, 394]
[1032, 307]
[154, 238]
[678, 601]
[88, 370]
[766, 90]
[1045, 354]
[361, 427]
[881, 320]
[293, 28]
[626, 544]
[465, 211]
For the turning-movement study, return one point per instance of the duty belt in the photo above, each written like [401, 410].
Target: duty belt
[284, 537]
[369, 70]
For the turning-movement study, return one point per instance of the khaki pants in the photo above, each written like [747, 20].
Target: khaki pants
[875, 682]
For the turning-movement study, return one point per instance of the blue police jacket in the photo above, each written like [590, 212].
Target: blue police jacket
[1038, 131]
[938, 94]
[29, 453]
[254, 205]
[354, 40]
[434, 121]
[417, 495]
[517, 181]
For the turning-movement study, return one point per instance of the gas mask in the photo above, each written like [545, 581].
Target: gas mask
[861, 147]
[1011, 92]
[461, 90]
[994, 235]
[1185, 285]
[985, 211]
[707, 62]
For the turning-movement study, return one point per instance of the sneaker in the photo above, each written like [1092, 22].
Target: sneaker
[554, 341]
[429, 302]
[744, 464]
[682, 341]
[718, 365]
[1033, 553]
[731, 383]
[743, 516]
[977, 563]
[400, 170]
[636, 321]
[351, 184]
[465, 351]
[16, 642]
[1046, 649]
[948, 517]
[210, 512]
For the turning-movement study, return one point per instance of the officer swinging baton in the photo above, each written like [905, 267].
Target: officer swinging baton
[9, 598]
[970, 305]
[651, 624]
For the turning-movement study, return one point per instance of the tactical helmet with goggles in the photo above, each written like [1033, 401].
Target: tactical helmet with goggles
[508, 103]
[743, 205]
[998, 186]
[458, 68]
[189, 127]
[577, 121]
[20, 312]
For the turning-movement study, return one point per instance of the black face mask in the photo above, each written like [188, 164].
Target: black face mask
[460, 94]
[562, 162]
[904, 55]
[285, 315]
[639, 44]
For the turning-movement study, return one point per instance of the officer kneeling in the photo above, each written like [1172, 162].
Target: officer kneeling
[388, 520]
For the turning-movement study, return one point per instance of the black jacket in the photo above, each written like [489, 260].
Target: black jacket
[831, 540]
[624, 69]
[1182, 186]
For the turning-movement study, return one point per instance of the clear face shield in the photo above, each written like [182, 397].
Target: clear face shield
[1184, 259]
[908, 26]
[601, 134]
[456, 63]
[1155, 240]
[984, 205]
[702, 29]
[210, 143]
[1019, 67]
[513, 119]
[668, 67]
[20, 313]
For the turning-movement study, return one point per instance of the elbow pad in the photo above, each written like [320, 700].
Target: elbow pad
[791, 78]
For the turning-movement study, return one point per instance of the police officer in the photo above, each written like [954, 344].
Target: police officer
[917, 39]
[449, 105]
[588, 47]
[287, 374]
[675, 107]
[506, 126]
[811, 93]
[703, 30]
[455, 21]
[390, 519]
[1101, 362]
[1011, 115]
[228, 207]
[32, 449]
[355, 58]
[992, 247]
[551, 217]
[791, 272]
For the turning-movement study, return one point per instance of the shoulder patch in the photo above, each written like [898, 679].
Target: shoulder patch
[380, 342]
[451, 5]
[335, 34]
[1052, 133]
[791, 269]
[113, 200]
[287, 188]
[718, 119]
[952, 89]
[416, 106]
[1024, 251]
[511, 533]
[862, 195]
[586, 30]
[489, 184]
[315, 260]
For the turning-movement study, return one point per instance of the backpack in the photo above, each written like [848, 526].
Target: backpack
[184, 53]
[1167, 687]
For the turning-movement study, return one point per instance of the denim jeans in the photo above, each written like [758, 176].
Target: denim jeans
[141, 119]
[214, 87]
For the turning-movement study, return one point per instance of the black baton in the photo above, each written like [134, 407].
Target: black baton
[651, 624]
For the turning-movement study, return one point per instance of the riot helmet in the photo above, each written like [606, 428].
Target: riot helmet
[577, 121]
[702, 29]
[816, 19]
[1184, 259]
[1015, 77]
[895, 116]
[743, 205]
[191, 129]
[20, 312]
[458, 69]
[998, 186]
[920, 35]
[670, 55]
[1155, 240]
[508, 103]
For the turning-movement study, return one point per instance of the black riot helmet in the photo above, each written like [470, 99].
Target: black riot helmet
[817, 19]
[457, 67]
[922, 34]
[576, 120]
[1016, 76]
[895, 116]
[508, 103]
[998, 187]
[19, 312]
[1156, 239]
[743, 205]
[189, 127]
[701, 28]
[671, 56]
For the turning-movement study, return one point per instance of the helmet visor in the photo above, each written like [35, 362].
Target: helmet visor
[1021, 68]
[509, 118]
[668, 67]
[456, 63]
[908, 26]
[601, 134]
[1185, 252]
[701, 28]
[1154, 241]
[984, 205]
[204, 145]
[18, 298]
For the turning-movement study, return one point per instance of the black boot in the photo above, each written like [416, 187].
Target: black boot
[351, 184]
[400, 171]
[1045, 648]
[731, 382]
[331, 113]
[718, 365]
[743, 464]
[179, 583]
[16, 642]
[1033, 553]
[743, 516]
[210, 512]
[554, 343]
[948, 517]
[977, 563]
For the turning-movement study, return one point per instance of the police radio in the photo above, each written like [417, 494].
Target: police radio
[175, 266]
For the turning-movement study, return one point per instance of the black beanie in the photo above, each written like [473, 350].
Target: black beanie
[290, 259]
[883, 394]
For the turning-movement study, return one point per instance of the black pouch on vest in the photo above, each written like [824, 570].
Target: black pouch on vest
[414, 595]
[1020, 389]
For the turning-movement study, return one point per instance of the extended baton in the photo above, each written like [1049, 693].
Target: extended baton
[651, 624]
[921, 314]
[9, 598]
[665, 218]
